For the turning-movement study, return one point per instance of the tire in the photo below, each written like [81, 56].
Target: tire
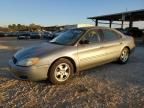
[124, 57]
[61, 71]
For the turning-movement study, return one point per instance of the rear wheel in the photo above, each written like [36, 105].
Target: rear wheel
[124, 56]
[61, 71]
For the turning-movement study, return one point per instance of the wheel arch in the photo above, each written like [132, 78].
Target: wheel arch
[128, 49]
[68, 58]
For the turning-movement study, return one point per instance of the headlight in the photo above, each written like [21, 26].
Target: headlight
[28, 62]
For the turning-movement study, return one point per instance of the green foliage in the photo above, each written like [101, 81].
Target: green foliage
[19, 27]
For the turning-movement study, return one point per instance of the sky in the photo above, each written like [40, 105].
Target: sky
[59, 12]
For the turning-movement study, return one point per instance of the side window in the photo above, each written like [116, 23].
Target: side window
[109, 35]
[92, 36]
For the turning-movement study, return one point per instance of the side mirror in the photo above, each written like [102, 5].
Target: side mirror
[84, 42]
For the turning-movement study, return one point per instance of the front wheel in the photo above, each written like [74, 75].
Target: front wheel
[61, 71]
[124, 56]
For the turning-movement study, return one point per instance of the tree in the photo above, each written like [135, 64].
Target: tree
[19, 27]
[34, 27]
[12, 27]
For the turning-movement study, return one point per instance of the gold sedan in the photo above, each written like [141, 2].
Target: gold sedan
[72, 51]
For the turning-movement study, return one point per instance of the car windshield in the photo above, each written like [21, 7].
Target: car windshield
[68, 37]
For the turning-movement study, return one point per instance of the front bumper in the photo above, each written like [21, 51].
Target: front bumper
[34, 73]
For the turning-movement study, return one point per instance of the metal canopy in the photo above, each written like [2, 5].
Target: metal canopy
[137, 15]
[131, 16]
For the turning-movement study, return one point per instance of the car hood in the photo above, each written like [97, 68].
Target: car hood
[37, 50]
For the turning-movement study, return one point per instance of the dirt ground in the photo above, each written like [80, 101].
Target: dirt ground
[108, 86]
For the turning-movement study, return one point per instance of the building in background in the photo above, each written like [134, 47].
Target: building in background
[62, 27]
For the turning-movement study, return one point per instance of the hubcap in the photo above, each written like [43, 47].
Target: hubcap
[124, 55]
[62, 72]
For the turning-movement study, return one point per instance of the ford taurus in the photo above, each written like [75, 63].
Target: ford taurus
[71, 52]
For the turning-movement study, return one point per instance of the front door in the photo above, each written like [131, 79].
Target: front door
[90, 51]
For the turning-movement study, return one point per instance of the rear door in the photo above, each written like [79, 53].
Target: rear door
[112, 43]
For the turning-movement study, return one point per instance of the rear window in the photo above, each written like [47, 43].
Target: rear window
[109, 35]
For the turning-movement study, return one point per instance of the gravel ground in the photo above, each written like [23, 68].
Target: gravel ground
[108, 86]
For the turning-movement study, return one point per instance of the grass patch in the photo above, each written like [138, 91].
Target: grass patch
[2, 96]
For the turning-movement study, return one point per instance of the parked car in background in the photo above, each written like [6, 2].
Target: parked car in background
[134, 31]
[12, 34]
[47, 35]
[35, 35]
[120, 29]
[57, 33]
[2, 34]
[7, 34]
[23, 35]
[143, 35]
[73, 51]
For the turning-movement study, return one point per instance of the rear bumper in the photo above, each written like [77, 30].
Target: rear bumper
[32, 73]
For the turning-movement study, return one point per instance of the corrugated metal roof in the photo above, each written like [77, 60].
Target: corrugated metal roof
[136, 15]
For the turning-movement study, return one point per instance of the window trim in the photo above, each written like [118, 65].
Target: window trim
[95, 29]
